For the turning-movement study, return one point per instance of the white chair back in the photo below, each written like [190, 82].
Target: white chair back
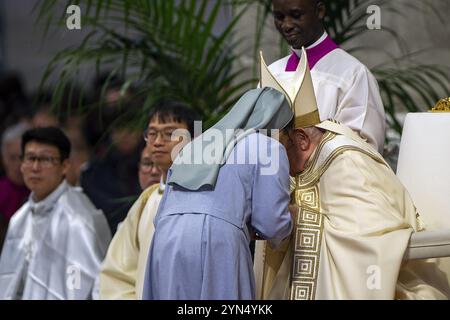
[424, 169]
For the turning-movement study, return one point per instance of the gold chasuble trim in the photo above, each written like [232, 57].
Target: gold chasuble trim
[307, 120]
[307, 239]
[311, 175]
[308, 229]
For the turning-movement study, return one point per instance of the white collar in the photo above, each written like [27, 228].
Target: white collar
[47, 204]
[315, 44]
[162, 185]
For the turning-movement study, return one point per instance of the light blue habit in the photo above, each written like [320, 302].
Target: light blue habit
[200, 248]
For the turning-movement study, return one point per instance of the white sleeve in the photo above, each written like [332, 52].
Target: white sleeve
[361, 108]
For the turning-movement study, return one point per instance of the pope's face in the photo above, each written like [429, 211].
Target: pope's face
[300, 145]
[293, 153]
[299, 21]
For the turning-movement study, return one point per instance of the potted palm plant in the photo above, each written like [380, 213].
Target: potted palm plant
[163, 48]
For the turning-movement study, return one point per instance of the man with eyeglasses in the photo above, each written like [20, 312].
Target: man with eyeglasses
[57, 240]
[149, 174]
[170, 127]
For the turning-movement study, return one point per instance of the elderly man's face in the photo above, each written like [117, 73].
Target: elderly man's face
[299, 146]
[11, 161]
[299, 21]
[149, 174]
[292, 150]
[42, 168]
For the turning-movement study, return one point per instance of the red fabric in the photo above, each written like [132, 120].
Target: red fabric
[11, 197]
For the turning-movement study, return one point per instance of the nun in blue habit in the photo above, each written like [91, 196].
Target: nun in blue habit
[200, 248]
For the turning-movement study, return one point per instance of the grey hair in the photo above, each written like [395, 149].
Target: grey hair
[314, 133]
[13, 133]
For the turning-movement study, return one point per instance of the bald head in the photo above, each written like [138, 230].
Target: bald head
[300, 22]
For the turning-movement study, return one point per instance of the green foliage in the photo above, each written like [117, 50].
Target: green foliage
[167, 48]
[404, 83]
[161, 48]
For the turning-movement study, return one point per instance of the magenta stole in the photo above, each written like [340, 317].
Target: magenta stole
[314, 54]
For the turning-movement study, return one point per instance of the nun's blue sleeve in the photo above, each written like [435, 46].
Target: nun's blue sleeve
[270, 214]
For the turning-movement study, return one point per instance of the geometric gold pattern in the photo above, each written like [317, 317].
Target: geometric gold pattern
[308, 229]
[307, 242]
[307, 198]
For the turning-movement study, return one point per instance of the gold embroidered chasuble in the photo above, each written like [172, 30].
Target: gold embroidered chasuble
[351, 231]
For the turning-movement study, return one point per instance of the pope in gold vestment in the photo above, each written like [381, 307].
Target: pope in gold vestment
[353, 226]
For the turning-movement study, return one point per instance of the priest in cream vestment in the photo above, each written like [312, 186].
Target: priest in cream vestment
[122, 274]
[354, 218]
[123, 270]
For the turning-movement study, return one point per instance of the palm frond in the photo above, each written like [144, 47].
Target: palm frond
[166, 48]
[412, 89]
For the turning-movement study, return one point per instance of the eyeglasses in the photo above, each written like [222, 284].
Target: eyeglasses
[45, 161]
[150, 135]
[146, 167]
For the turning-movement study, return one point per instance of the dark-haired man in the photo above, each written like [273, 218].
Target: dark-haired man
[122, 274]
[57, 240]
[345, 89]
